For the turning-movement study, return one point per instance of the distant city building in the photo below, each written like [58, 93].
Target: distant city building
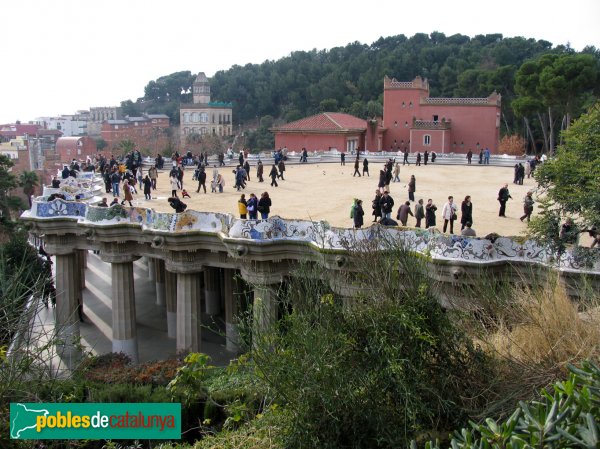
[69, 148]
[69, 125]
[150, 131]
[412, 120]
[322, 132]
[98, 115]
[204, 116]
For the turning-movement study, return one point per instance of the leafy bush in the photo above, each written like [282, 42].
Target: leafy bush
[565, 416]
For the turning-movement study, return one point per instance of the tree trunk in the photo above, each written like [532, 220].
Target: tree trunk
[529, 133]
[544, 128]
[551, 126]
[506, 124]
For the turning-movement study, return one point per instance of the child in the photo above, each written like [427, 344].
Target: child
[184, 194]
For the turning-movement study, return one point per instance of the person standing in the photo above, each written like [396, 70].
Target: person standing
[115, 179]
[503, 197]
[366, 167]
[273, 174]
[342, 158]
[403, 213]
[425, 157]
[247, 169]
[260, 171]
[358, 214]
[419, 212]
[405, 160]
[387, 205]
[527, 207]
[418, 159]
[147, 182]
[466, 212]
[481, 156]
[449, 214]
[412, 188]
[201, 179]
[264, 204]
[521, 174]
[174, 185]
[381, 183]
[251, 207]
[469, 157]
[356, 168]
[376, 206]
[486, 156]
[430, 209]
[153, 174]
[281, 169]
[243, 207]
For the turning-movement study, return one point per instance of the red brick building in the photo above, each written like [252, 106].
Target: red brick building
[325, 131]
[69, 148]
[147, 132]
[412, 120]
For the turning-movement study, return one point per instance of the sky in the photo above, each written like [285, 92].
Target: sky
[61, 56]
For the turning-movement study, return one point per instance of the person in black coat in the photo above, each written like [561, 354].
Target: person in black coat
[376, 206]
[503, 197]
[382, 180]
[466, 212]
[356, 168]
[177, 204]
[147, 187]
[273, 174]
[430, 209]
[418, 159]
[358, 214]
[264, 204]
[260, 171]
[366, 167]
[201, 179]
[387, 205]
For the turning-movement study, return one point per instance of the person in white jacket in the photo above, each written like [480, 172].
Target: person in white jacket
[449, 214]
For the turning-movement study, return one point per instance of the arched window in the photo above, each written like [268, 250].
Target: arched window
[186, 117]
[426, 140]
[195, 117]
[204, 117]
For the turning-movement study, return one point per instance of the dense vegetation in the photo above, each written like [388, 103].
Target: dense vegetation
[555, 82]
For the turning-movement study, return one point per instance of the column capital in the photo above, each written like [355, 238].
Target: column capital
[117, 252]
[59, 244]
[262, 273]
[184, 262]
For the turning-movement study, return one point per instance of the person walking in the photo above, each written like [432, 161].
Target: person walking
[243, 207]
[201, 179]
[397, 172]
[259, 171]
[430, 209]
[449, 214]
[403, 213]
[358, 214]
[366, 167]
[412, 188]
[356, 168]
[469, 157]
[419, 212]
[503, 197]
[127, 193]
[405, 160]
[273, 174]
[264, 205]
[466, 212]
[342, 158]
[153, 174]
[281, 169]
[381, 183]
[527, 207]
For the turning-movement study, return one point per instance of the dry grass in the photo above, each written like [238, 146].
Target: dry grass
[548, 330]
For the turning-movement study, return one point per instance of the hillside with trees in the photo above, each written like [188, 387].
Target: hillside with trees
[542, 87]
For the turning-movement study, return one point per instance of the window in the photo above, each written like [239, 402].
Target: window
[204, 117]
[195, 117]
[186, 117]
[426, 140]
[435, 118]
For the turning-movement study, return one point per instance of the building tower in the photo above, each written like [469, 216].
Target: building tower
[201, 89]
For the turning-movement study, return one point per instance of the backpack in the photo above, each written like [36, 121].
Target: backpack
[352, 210]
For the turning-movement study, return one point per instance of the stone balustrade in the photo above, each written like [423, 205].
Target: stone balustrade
[319, 236]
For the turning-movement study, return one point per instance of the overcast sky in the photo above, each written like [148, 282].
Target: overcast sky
[63, 55]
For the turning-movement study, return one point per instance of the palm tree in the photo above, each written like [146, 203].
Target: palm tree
[29, 181]
[127, 146]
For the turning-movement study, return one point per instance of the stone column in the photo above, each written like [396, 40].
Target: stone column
[151, 268]
[212, 292]
[230, 295]
[159, 271]
[189, 312]
[264, 279]
[67, 319]
[171, 301]
[123, 310]
[82, 262]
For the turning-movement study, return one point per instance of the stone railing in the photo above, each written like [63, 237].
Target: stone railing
[459, 101]
[431, 124]
[320, 235]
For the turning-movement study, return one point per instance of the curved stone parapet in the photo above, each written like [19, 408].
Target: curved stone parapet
[320, 235]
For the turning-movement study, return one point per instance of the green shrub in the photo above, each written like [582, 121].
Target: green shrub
[565, 416]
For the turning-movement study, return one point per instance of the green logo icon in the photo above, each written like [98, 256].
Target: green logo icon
[42, 421]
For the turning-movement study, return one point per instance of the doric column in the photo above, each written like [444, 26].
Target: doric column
[159, 271]
[123, 310]
[82, 263]
[67, 319]
[171, 300]
[151, 268]
[212, 293]
[188, 312]
[231, 298]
